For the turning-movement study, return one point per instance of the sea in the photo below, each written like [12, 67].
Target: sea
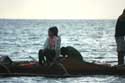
[20, 39]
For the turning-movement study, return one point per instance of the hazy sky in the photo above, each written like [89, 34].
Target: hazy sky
[61, 9]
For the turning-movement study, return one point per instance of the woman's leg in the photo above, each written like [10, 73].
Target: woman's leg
[121, 58]
[50, 55]
[41, 56]
[120, 42]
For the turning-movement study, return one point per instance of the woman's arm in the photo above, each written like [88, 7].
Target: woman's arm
[46, 44]
[57, 47]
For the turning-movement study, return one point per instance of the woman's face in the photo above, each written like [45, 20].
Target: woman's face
[50, 34]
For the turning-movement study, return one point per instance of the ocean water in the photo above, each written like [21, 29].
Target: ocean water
[20, 39]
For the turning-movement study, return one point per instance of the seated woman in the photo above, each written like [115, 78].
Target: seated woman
[51, 49]
[51, 46]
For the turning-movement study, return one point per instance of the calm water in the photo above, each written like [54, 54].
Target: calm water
[93, 38]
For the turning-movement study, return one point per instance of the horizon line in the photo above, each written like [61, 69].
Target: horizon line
[50, 19]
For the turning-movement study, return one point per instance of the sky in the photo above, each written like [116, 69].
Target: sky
[61, 9]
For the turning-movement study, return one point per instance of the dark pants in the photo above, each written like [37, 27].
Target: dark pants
[121, 58]
[46, 56]
[120, 42]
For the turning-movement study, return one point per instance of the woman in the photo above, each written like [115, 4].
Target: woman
[51, 47]
[51, 50]
[120, 38]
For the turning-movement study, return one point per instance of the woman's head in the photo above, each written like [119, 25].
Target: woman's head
[53, 31]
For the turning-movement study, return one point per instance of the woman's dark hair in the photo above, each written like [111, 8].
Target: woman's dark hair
[54, 30]
[124, 11]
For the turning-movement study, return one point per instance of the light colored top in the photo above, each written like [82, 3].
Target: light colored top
[53, 43]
